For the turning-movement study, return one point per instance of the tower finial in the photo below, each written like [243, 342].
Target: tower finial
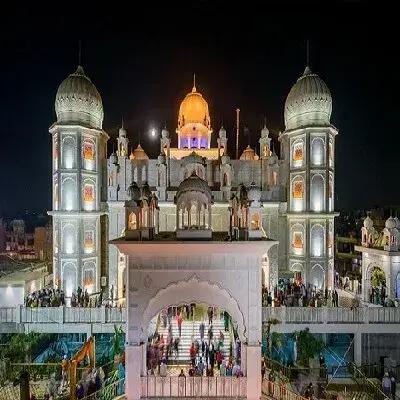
[79, 52]
[122, 121]
[194, 83]
[265, 121]
[308, 53]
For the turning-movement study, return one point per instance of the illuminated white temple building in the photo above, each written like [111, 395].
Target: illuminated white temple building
[288, 199]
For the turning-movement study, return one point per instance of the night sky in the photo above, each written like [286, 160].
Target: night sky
[142, 61]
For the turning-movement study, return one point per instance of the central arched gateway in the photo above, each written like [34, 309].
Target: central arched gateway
[195, 291]
[223, 274]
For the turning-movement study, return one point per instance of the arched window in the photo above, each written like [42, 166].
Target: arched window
[317, 240]
[55, 152]
[69, 239]
[317, 193]
[88, 241]
[297, 238]
[298, 193]
[89, 276]
[330, 192]
[318, 276]
[330, 153]
[298, 153]
[132, 221]
[318, 151]
[68, 194]
[69, 153]
[89, 195]
[89, 154]
[69, 278]
[255, 221]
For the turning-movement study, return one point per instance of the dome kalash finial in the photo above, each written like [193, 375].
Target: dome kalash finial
[78, 101]
[194, 83]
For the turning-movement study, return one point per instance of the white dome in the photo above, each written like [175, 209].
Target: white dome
[390, 223]
[194, 184]
[122, 132]
[165, 133]
[193, 158]
[368, 223]
[222, 132]
[254, 192]
[78, 101]
[309, 102]
[264, 132]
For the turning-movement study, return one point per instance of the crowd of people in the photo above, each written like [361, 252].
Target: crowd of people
[297, 294]
[206, 350]
[50, 297]
[45, 298]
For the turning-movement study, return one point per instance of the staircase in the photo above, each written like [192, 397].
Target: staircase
[190, 332]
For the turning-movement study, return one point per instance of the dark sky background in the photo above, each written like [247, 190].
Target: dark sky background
[142, 61]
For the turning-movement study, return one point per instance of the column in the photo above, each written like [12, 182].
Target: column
[253, 372]
[357, 348]
[209, 216]
[133, 365]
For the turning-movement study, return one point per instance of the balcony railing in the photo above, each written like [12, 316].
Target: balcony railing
[197, 386]
[61, 315]
[333, 315]
[288, 315]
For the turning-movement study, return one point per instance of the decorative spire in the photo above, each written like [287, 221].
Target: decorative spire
[194, 83]
[122, 121]
[79, 52]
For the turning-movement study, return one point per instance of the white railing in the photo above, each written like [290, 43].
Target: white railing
[7, 314]
[197, 386]
[333, 315]
[61, 315]
[288, 315]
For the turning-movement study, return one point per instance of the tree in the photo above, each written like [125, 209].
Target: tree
[308, 346]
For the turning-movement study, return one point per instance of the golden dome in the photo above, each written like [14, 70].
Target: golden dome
[194, 109]
[138, 154]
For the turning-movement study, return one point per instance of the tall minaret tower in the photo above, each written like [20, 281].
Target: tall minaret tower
[79, 184]
[309, 141]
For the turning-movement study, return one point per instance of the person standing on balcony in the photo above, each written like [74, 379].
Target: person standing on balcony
[386, 384]
[393, 387]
